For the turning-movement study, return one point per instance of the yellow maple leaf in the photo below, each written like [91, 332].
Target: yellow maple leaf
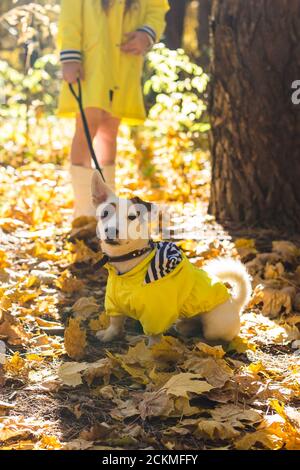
[15, 365]
[241, 345]
[81, 253]
[44, 251]
[75, 339]
[68, 283]
[245, 247]
[4, 263]
[34, 358]
[12, 329]
[49, 443]
[215, 351]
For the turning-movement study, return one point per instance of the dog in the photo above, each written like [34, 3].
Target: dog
[156, 284]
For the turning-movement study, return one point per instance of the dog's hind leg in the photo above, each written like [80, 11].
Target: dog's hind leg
[223, 322]
[189, 326]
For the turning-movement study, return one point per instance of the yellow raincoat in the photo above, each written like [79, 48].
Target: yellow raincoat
[186, 291]
[112, 78]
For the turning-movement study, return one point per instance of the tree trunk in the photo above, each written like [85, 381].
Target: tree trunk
[204, 11]
[255, 126]
[175, 23]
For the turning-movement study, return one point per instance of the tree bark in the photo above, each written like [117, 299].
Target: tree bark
[204, 11]
[175, 23]
[255, 126]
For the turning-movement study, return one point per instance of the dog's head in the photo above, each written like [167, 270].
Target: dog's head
[123, 224]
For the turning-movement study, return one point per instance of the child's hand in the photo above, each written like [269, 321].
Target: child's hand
[136, 43]
[72, 71]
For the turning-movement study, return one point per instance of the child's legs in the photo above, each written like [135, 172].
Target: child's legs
[102, 126]
[106, 139]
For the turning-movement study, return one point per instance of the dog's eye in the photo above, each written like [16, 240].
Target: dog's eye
[132, 217]
[104, 214]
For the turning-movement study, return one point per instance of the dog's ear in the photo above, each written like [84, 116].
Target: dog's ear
[138, 200]
[100, 191]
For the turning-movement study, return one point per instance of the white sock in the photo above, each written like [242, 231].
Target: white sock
[82, 187]
[109, 173]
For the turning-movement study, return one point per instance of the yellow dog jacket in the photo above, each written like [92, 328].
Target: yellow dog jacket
[164, 287]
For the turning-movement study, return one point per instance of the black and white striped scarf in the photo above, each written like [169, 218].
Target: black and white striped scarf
[166, 258]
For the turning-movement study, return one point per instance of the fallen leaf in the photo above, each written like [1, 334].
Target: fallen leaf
[16, 365]
[215, 371]
[241, 345]
[75, 339]
[85, 307]
[48, 443]
[180, 385]
[215, 351]
[214, 430]
[68, 283]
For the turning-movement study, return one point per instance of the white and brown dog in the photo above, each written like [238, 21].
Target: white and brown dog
[155, 283]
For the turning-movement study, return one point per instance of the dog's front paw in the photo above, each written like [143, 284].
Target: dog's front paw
[105, 336]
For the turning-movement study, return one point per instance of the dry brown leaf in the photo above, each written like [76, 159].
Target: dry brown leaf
[287, 250]
[261, 437]
[98, 431]
[85, 307]
[12, 330]
[156, 404]
[214, 351]
[160, 404]
[68, 283]
[18, 427]
[72, 373]
[169, 350]
[245, 247]
[77, 444]
[274, 271]
[180, 385]
[124, 409]
[75, 339]
[215, 430]
[274, 301]
[83, 228]
[215, 371]
[101, 368]
[237, 416]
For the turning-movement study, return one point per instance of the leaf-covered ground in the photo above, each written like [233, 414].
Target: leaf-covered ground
[182, 393]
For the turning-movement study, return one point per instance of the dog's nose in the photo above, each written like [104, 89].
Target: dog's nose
[111, 232]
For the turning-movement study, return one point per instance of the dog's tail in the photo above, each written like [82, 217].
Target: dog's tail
[232, 271]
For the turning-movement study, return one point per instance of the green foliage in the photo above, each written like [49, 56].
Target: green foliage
[175, 91]
[25, 95]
